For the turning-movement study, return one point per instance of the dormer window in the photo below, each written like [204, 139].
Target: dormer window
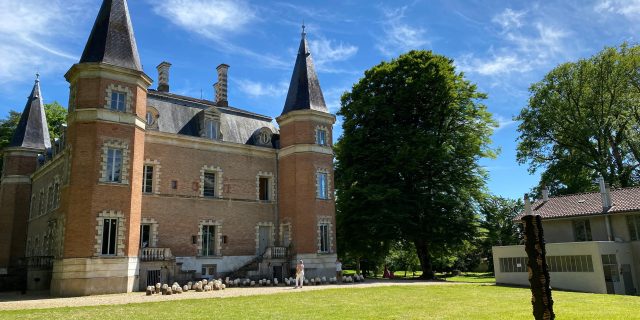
[211, 129]
[150, 119]
[118, 101]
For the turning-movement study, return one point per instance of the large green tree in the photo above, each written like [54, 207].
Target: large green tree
[56, 115]
[583, 121]
[407, 162]
[497, 224]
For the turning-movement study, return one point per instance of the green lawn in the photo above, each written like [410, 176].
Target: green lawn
[470, 277]
[465, 301]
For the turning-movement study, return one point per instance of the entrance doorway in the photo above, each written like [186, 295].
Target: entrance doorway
[264, 233]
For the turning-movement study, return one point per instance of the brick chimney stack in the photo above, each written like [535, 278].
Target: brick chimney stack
[545, 194]
[163, 76]
[527, 205]
[220, 87]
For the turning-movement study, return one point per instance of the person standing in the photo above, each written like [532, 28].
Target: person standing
[299, 274]
[339, 270]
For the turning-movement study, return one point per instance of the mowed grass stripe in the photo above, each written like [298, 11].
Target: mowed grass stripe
[396, 302]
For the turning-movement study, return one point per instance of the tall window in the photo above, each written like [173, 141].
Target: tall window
[324, 238]
[211, 129]
[51, 197]
[147, 179]
[264, 188]
[582, 230]
[118, 101]
[109, 236]
[209, 189]
[321, 137]
[145, 235]
[149, 118]
[208, 240]
[56, 198]
[114, 165]
[323, 192]
[634, 227]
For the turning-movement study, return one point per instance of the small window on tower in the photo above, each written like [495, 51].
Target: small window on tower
[321, 137]
[147, 179]
[118, 101]
[264, 189]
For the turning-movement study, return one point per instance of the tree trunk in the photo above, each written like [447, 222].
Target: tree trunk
[425, 259]
[358, 266]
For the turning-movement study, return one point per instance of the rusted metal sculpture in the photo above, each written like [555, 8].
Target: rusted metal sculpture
[537, 265]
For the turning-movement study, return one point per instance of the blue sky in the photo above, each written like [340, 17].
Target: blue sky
[501, 46]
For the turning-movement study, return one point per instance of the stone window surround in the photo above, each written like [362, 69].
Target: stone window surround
[326, 135]
[273, 233]
[325, 171]
[116, 87]
[218, 237]
[325, 220]
[110, 214]
[156, 174]
[211, 114]
[285, 226]
[115, 144]
[218, 172]
[272, 185]
[155, 114]
[153, 237]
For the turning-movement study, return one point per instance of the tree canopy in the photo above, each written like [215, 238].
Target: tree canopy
[407, 162]
[582, 121]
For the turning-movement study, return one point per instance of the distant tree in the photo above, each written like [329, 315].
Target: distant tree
[56, 115]
[407, 163]
[583, 121]
[402, 257]
[498, 225]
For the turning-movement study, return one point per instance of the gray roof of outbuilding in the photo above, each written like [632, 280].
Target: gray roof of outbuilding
[304, 90]
[181, 115]
[586, 204]
[111, 40]
[32, 130]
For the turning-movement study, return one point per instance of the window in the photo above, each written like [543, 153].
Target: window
[634, 227]
[147, 179]
[114, 165]
[209, 184]
[43, 204]
[264, 189]
[323, 192]
[324, 238]
[321, 137]
[109, 236]
[582, 263]
[211, 129]
[582, 230]
[145, 235]
[208, 240]
[514, 264]
[209, 270]
[50, 201]
[56, 198]
[174, 184]
[150, 118]
[118, 101]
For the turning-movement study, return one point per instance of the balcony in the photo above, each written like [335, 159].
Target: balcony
[275, 253]
[155, 254]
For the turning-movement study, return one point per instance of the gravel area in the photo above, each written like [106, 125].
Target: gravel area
[13, 300]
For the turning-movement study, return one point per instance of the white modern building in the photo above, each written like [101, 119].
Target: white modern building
[592, 242]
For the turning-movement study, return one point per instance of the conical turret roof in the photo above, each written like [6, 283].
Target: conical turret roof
[32, 131]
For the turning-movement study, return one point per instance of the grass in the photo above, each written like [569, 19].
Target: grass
[469, 277]
[465, 301]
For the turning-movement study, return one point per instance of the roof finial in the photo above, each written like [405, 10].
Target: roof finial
[38, 76]
[303, 27]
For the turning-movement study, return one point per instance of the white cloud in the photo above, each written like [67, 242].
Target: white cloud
[627, 8]
[326, 53]
[526, 47]
[27, 28]
[398, 35]
[509, 19]
[503, 122]
[258, 89]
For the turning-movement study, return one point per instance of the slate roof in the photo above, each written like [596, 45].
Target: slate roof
[32, 131]
[586, 204]
[304, 90]
[112, 40]
[181, 115]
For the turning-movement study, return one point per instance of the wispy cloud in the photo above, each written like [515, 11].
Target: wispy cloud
[399, 36]
[257, 89]
[526, 46]
[503, 122]
[326, 53]
[216, 20]
[26, 28]
[627, 8]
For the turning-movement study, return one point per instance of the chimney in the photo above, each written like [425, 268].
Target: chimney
[221, 86]
[163, 76]
[545, 194]
[527, 205]
[605, 194]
